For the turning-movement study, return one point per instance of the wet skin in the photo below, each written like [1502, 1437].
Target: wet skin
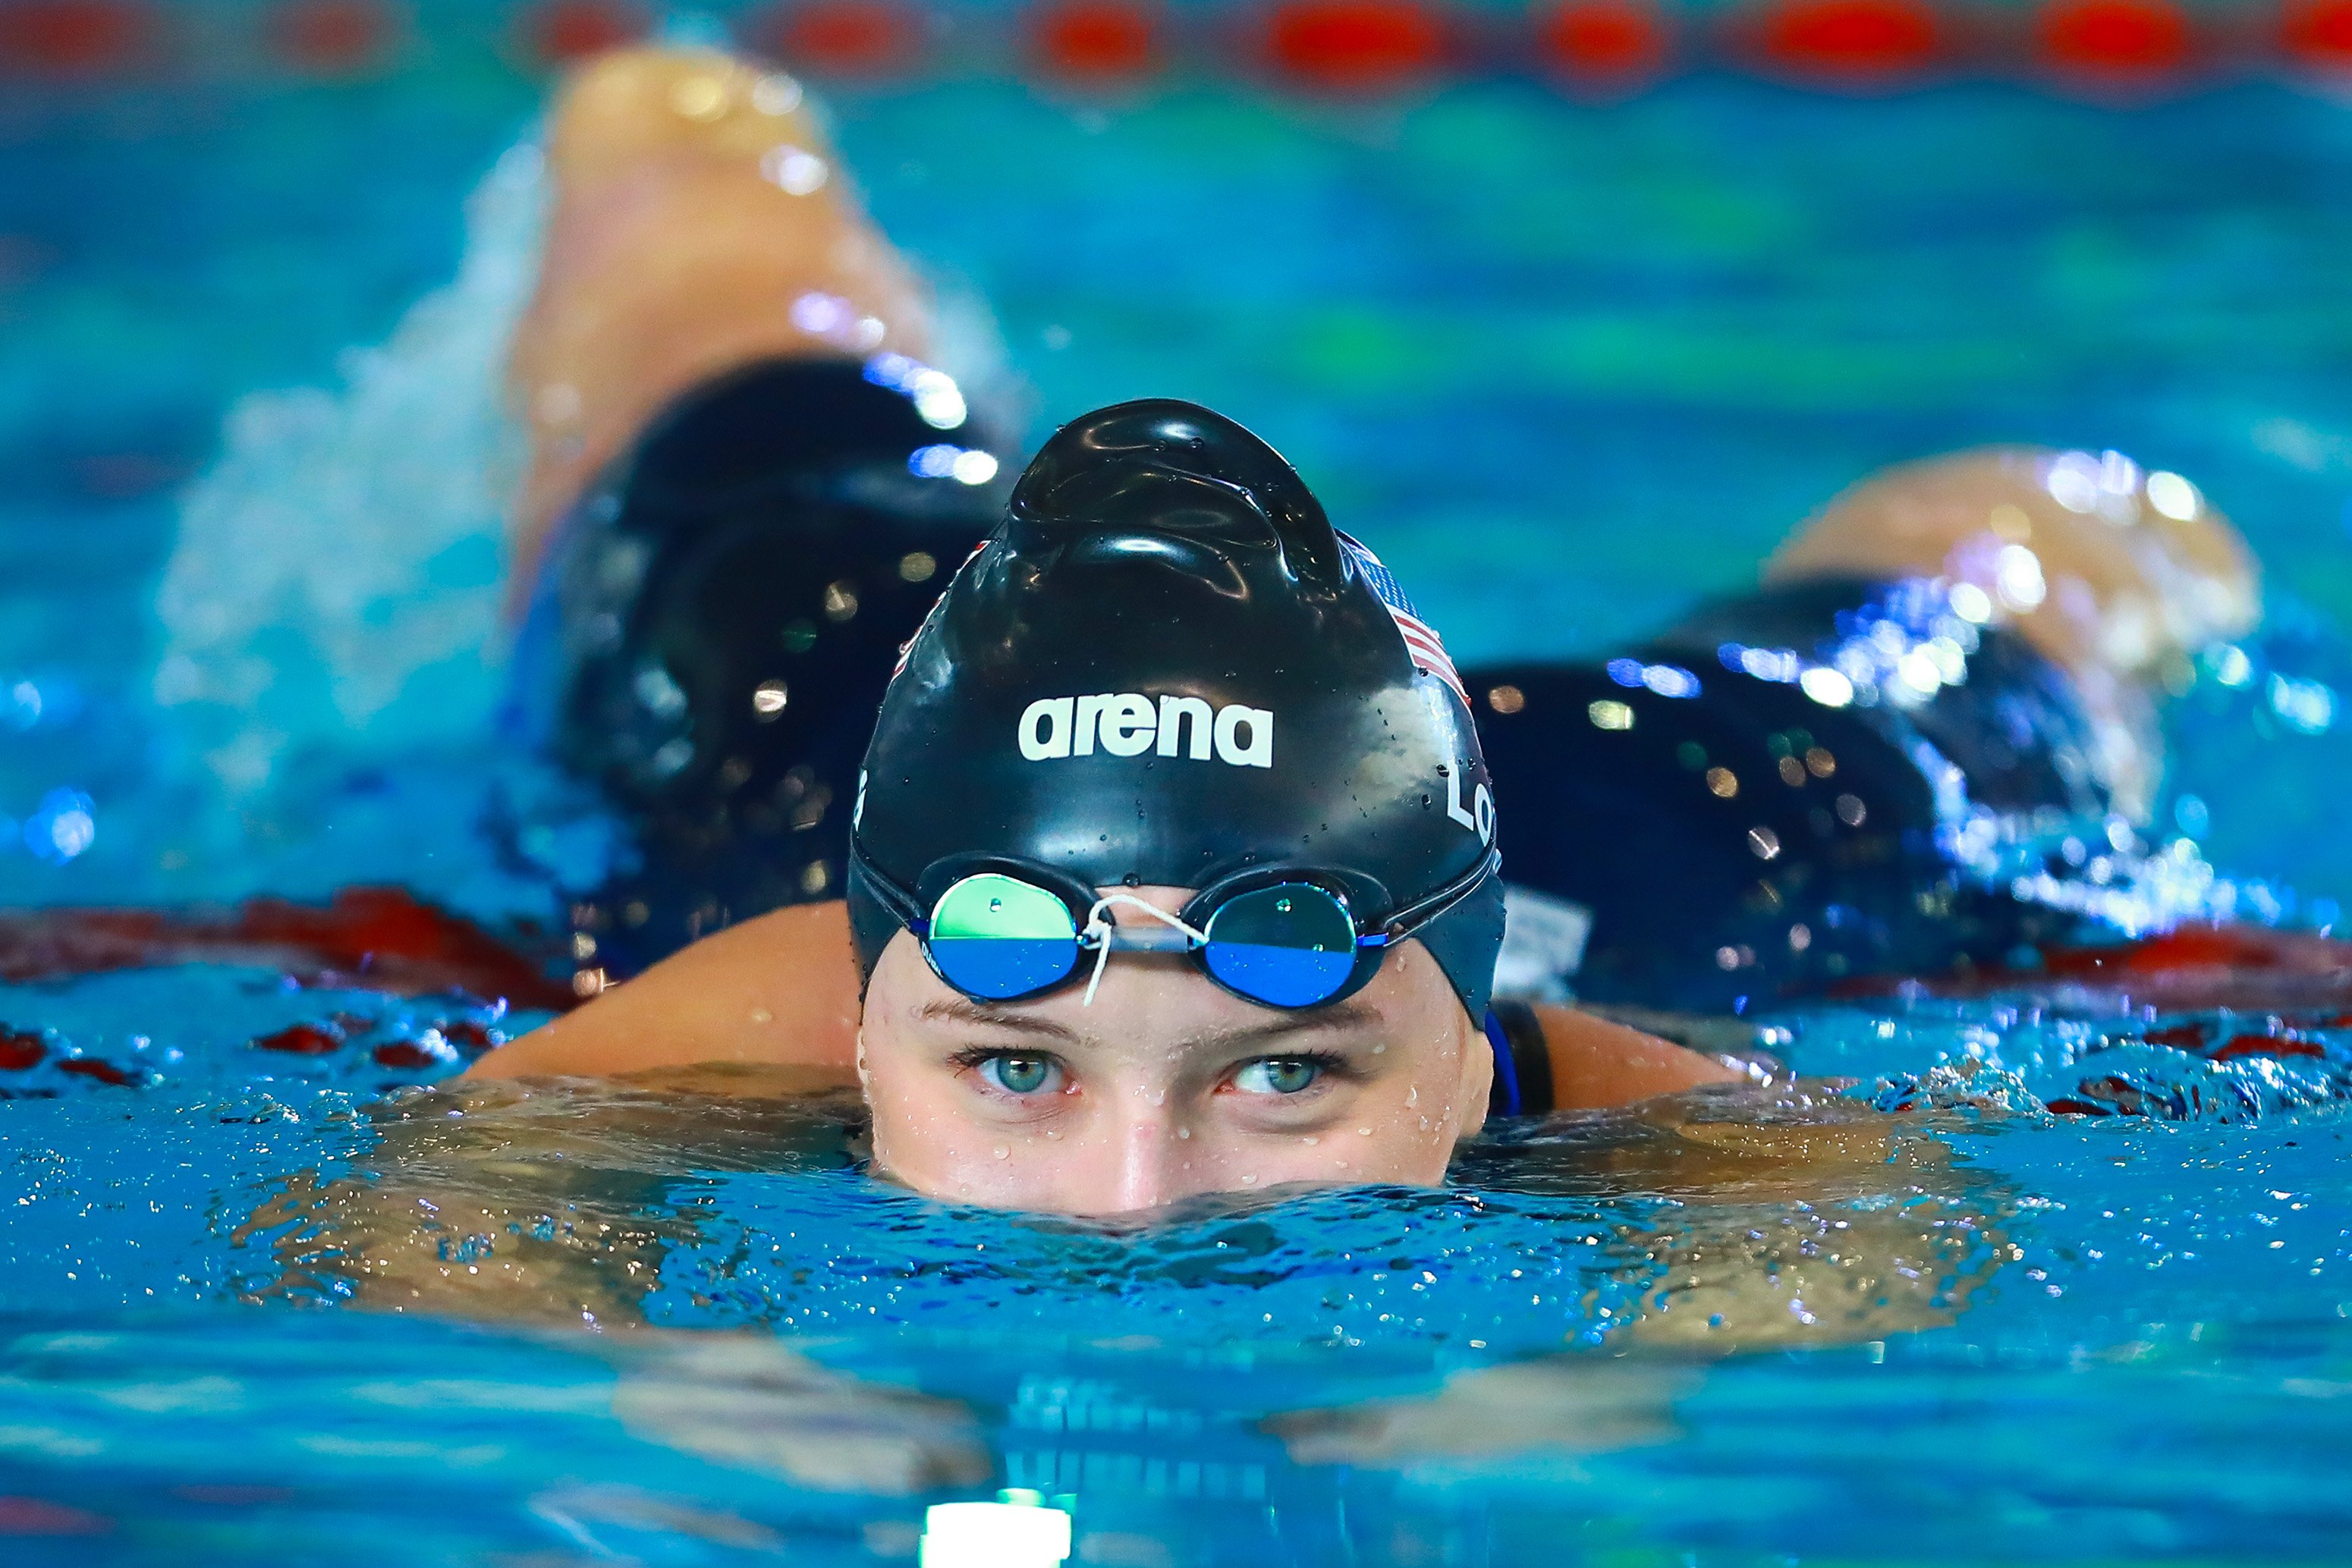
[1166, 1087]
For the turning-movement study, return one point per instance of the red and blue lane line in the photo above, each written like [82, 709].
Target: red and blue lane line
[1327, 48]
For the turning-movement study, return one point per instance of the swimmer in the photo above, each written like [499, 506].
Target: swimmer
[1954, 662]
[716, 614]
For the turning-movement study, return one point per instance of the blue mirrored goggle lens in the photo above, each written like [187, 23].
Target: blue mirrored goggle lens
[1290, 946]
[996, 937]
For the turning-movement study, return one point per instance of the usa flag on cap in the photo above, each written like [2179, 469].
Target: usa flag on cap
[1420, 640]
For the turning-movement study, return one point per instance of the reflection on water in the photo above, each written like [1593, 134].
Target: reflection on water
[268, 1437]
[750, 1403]
[1559, 1406]
[1714, 1222]
[1792, 1217]
[551, 1204]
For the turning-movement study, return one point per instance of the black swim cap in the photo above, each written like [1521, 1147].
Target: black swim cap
[1165, 666]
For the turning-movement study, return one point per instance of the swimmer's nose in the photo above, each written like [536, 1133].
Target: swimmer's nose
[1152, 1162]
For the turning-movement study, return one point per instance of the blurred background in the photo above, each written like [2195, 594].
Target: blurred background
[1572, 311]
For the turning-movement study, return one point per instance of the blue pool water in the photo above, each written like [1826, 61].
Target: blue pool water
[1567, 367]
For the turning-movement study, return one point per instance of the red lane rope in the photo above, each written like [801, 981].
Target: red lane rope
[852, 40]
[1856, 43]
[384, 938]
[1355, 46]
[2115, 39]
[2318, 35]
[1347, 47]
[74, 38]
[332, 38]
[563, 30]
[1095, 42]
[1605, 45]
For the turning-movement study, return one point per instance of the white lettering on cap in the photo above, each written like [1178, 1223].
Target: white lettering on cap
[1479, 816]
[1259, 751]
[1053, 739]
[1129, 724]
[1173, 712]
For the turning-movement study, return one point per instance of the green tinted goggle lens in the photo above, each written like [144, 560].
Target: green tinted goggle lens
[996, 937]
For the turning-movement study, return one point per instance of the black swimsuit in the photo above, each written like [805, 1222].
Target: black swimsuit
[1764, 802]
[714, 627]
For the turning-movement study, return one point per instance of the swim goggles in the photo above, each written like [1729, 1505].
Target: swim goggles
[999, 929]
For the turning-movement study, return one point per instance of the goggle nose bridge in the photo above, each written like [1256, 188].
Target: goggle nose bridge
[1172, 935]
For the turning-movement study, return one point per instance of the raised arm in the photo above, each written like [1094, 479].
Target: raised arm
[780, 991]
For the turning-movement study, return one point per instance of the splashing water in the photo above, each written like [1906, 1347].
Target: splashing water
[337, 572]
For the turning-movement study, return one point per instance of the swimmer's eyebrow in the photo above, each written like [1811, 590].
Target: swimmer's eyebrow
[957, 1009]
[1306, 1020]
[1310, 1020]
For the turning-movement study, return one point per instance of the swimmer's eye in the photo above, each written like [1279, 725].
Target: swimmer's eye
[1017, 1073]
[1283, 1074]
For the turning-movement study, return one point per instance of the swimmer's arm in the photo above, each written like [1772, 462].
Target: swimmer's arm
[1596, 1063]
[780, 991]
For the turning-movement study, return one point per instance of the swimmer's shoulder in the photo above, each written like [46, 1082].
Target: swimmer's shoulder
[1570, 1060]
[778, 991]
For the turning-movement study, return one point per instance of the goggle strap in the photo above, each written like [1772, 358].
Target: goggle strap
[901, 903]
[1098, 931]
[1413, 917]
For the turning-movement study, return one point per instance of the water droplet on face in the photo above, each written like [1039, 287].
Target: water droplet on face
[1249, 1181]
[1003, 1154]
[1159, 1097]
[1310, 1140]
[1413, 1095]
[1379, 1050]
[1363, 1131]
[1183, 1131]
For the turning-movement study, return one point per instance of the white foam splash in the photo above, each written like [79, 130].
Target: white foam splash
[337, 574]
